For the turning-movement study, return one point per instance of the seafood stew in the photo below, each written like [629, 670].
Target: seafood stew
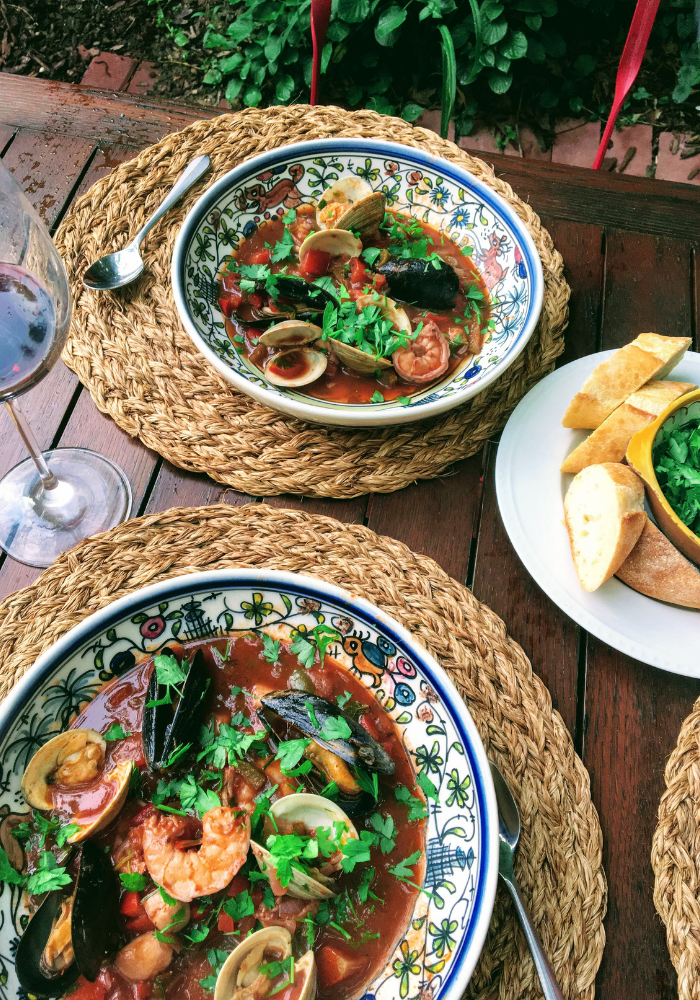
[235, 817]
[347, 302]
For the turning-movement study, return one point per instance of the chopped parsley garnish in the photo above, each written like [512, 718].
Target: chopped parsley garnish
[404, 869]
[254, 274]
[416, 807]
[195, 934]
[289, 216]
[368, 330]
[386, 832]
[368, 783]
[7, 872]
[370, 255]
[169, 673]
[363, 888]
[115, 732]
[343, 699]
[177, 753]
[268, 895]
[376, 397]
[239, 906]
[193, 797]
[404, 400]
[429, 789]
[66, 832]
[335, 729]
[290, 752]
[306, 643]
[167, 899]
[262, 805]
[216, 958]
[132, 881]
[284, 248]
[228, 745]
[357, 851]
[271, 648]
[287, 850]
[677, 466]
[49, 875]
[312, 714]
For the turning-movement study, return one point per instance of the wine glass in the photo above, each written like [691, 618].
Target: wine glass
[50, 501]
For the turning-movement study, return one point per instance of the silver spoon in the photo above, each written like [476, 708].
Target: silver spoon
[117, 269]
[508, 836]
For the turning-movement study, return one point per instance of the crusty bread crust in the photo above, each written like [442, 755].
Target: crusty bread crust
[649, 356]
[657, 569]
[608, 443]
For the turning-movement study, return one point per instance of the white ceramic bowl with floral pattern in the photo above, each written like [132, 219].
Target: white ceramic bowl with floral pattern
[436, 953]
[435, 191]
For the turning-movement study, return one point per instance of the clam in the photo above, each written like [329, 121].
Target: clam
[359, 361]
[72, 936]
[241, 978]
[290, 333]
[302, 885]
[332, 241]
[165, 729]
[68, 763]
[420, 282]
[295, 367]
[351, 204]
[286, 716]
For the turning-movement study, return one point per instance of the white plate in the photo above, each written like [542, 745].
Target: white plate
[530, 490]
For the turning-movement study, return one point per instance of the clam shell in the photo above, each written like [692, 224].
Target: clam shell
[316, 362]
[290, 333]
[350, 203]
[313, 811]
[332, 241]
[365, 215]
[120, 775]
[302, 886]
[364, 364]
[387, 307]
[47, 760]
[241, 968]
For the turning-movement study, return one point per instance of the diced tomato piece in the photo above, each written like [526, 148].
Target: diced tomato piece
[140, 924]
[261, 257]
[131, 905]
[255, 300]
[370, 724]
[358, 271]
[230, 301]
[315, 263]
[141, 991]
[334, 964]
[229, 282]
[142, 815]
[225, 923]
[379, 281]
[239, 883]
[88, 991]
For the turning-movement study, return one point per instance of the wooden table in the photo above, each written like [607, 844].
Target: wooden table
[632, 265]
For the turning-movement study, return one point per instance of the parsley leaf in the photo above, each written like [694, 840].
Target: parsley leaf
[428, 787]
[363, 887]
[167, 899]
[289, 216]
[193, 797]
[290, 752]
[356, 851]
[304, 652]
[312, 714]
[335, 729]
[367, 783]
[7, 872]
[49, 875]
[376, 397]
[132, 881]
[115, 732]
[271, 648]
[170, 674]
[343, 699]
[416, 808]
[239, 906]
[370, 255]
[216, 958]
[404, 870]
[268, 895]
[284, 248]
[386, 831]
[404, 400]
[195, 934]
[66, 832]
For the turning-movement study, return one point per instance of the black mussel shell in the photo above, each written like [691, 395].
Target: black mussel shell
[162, 731]
[94, 927]
[359, 749]
[420, 283]
[31, 945]
[298, 290]
[95, 924]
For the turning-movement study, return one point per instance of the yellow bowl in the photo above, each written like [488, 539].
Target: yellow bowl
[639, 456]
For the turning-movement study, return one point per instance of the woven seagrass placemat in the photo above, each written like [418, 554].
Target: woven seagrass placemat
[130, 350]
[559, 860]
[675, 857]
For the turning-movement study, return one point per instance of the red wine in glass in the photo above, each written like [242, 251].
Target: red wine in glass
[28, 343]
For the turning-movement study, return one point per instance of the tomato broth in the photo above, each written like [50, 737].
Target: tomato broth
[351, 937]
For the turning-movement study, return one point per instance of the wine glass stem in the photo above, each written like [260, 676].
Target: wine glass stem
[48, 479]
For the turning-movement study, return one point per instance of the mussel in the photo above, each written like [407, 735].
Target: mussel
[164, 730]
[298, 290]
[351, 204]
[73, 935]
[420, 283]
[241, 977]
[288, 715]
[68, 763]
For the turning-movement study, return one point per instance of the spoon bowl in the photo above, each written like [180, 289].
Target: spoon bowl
[124, 266]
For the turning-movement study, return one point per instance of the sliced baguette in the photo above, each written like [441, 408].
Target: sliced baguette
[608, 443]
[650, 356]
[604, 514]
[656, 568]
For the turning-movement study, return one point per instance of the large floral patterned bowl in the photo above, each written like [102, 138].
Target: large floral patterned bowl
[433, 190]
[436, 953]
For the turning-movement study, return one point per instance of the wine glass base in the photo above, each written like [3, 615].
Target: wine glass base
[37, 525]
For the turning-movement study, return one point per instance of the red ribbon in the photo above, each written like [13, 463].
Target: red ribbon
[627, 71]
[320, 19]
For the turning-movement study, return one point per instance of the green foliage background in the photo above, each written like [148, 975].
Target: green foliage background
[540, 57]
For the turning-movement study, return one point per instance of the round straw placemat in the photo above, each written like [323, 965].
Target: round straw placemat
[675, 857]
[559, 863]
[130, 350]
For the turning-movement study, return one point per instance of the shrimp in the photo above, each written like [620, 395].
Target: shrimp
[425, 358]
[185, 874]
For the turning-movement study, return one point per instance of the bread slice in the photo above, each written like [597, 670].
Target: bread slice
[604, 513]
[609, 385]
[608, 443]
[656, 568]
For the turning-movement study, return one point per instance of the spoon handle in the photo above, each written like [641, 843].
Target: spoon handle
[550, 987]
[192, 172]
